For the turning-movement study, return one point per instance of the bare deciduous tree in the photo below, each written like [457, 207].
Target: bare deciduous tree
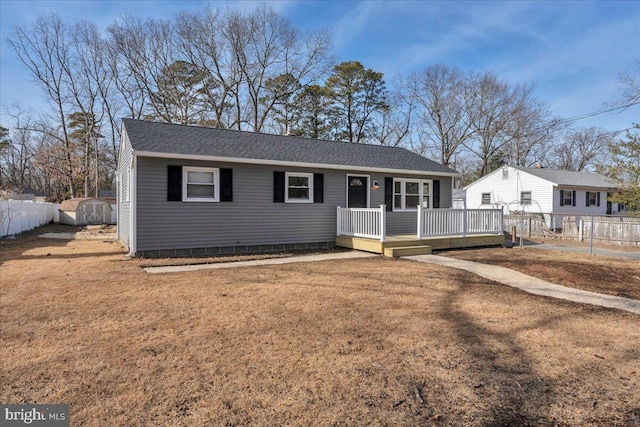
[444, 118]
[582, 149]
[45, 49]
[394, 124]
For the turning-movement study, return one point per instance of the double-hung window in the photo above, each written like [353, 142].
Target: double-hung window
[408, 194]
[567, 198]
[593, 198]
[200, 184]
[299, 187]
[525, 197]
[486, 199]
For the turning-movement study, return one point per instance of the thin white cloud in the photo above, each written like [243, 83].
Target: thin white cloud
[358, 19]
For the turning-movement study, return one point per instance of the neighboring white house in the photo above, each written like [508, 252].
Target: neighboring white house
[541, 190]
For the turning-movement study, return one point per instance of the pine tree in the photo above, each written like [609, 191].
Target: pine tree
[625, 169]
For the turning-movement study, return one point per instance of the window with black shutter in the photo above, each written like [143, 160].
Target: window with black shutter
[318, 188]
[278, 187]
[226, 185]
[174, 183]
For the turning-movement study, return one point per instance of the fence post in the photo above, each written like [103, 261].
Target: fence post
[522, 228]
[338, 222]
[464, 222]
[383, 222]
[581, 230]
[420, 219]
[591, 237]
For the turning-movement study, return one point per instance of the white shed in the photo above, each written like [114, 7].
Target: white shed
[85, 211]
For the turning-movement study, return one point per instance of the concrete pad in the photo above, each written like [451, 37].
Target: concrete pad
[80, 235]
[273, 261]
[62, 236]
[531, 284]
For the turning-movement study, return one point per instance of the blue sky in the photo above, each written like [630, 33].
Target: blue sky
[572, 50]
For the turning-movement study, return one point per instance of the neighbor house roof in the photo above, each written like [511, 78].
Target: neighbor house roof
[152, 138]
[106, 194]
[570, 178]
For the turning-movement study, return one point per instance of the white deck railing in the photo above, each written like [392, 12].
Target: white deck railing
[371, 222]
[458, 222]
[362, 222]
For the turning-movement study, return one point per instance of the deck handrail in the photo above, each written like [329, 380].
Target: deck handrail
[362, 222]
[371, 222]
[462, 222]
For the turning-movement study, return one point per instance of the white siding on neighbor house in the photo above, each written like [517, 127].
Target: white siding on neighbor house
[506, 192]
[124, 188]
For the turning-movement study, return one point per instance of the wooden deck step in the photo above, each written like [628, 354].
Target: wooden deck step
[400, 251]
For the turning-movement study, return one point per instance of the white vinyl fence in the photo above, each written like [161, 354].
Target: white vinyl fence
[17, 216]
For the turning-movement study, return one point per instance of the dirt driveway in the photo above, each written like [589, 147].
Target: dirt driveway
[351, 342]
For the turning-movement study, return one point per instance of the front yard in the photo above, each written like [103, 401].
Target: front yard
[606, 275]
[354, 342]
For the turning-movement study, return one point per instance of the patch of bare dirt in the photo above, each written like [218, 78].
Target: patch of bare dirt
[611, 276]
[352, 342]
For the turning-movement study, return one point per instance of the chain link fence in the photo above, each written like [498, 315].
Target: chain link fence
[610, 235]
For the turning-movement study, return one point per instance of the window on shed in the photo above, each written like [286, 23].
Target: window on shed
[486, 198]
[525, 197]
[200, 184]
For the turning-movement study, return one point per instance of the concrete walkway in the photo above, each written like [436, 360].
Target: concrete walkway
[531, 284]
[272, 261]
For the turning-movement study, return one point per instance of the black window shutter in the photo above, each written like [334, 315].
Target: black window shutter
[598, 199]
[278, 187]
[226, 185]
[573, 199]
[587, 194]
[436, 193]
[174, 183]
[388, 192]
[318, 188]
[561, 197]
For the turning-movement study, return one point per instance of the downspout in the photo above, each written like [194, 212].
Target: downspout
[132, 206]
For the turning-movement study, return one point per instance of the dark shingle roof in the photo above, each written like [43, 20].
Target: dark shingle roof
[201, 141]
[570, 178]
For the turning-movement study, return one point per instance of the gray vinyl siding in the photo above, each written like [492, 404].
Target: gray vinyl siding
[124, 208]
[252, 218]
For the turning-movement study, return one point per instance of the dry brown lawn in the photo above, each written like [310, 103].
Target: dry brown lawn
[352, 342]
[612, 276]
